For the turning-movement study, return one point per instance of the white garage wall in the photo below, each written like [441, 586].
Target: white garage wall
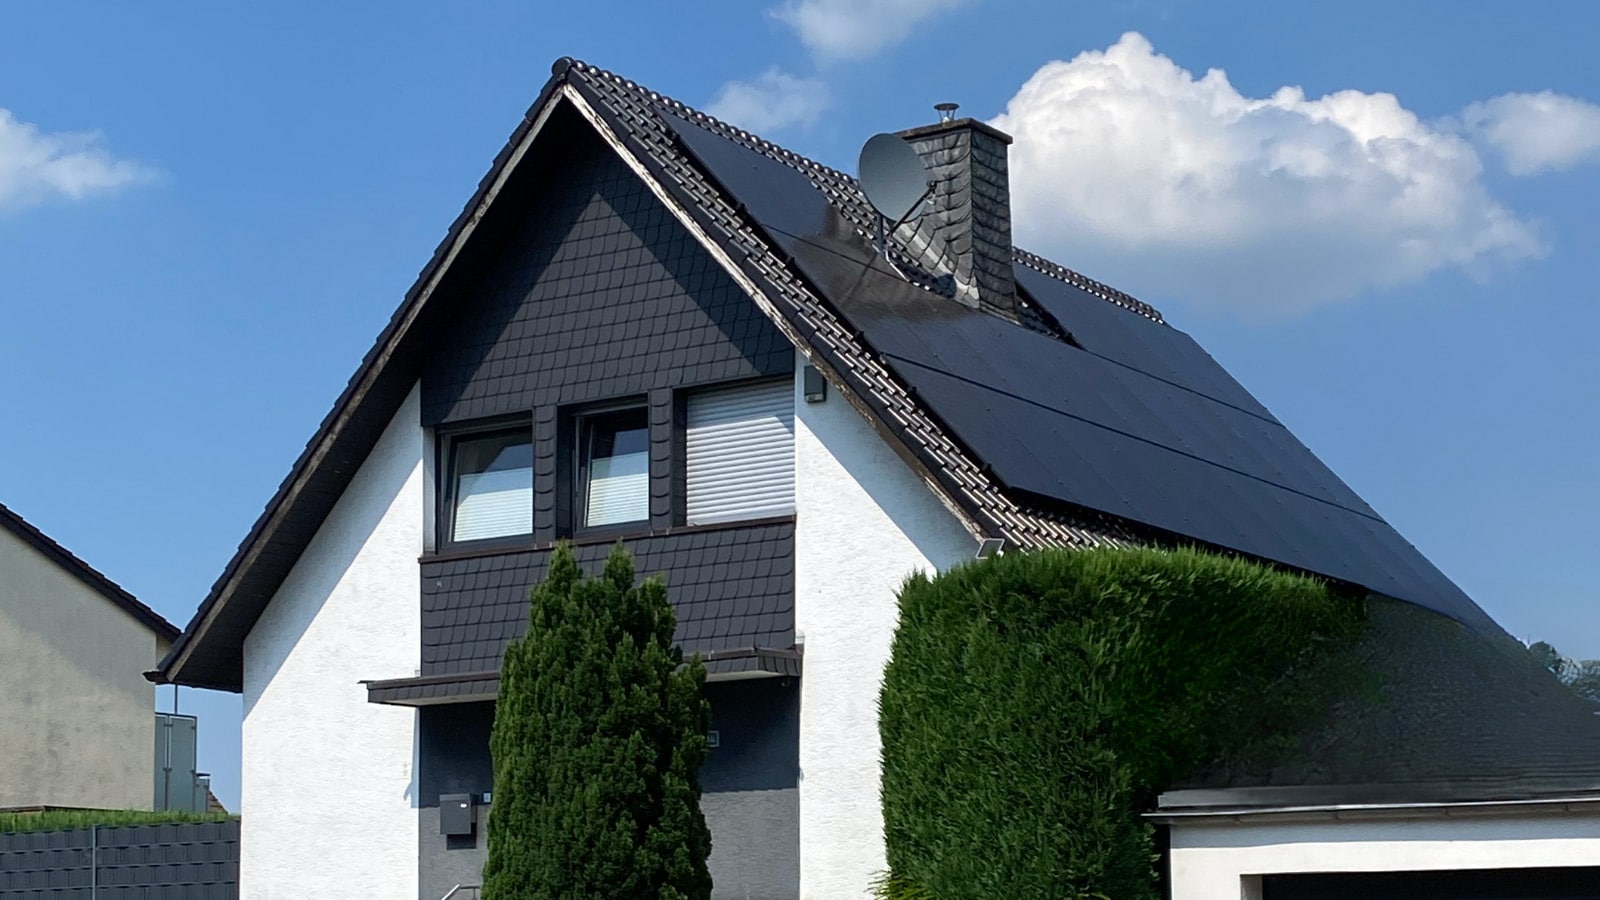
[1217, 861]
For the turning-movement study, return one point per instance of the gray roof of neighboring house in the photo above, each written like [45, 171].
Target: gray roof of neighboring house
[1087, 420]
[100, 584]
[1454, 714]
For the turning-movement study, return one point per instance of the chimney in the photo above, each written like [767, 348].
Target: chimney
[964, 230]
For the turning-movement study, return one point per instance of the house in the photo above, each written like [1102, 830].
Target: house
[77, 723]
[651, 326]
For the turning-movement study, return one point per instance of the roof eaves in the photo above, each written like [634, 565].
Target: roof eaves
[1346, 804]
[61, 556]
[730, 664]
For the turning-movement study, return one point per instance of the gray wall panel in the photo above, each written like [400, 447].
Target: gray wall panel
[750, 798]
[755, 844]
[758, 724]
[199, 861]
[444, 861]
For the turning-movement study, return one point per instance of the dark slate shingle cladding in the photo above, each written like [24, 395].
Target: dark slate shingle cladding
[731, 587]
[597, 293]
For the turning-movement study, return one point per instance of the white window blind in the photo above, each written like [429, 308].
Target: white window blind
[740, 449]
[494, 485]
[494, 504]
[619, 489]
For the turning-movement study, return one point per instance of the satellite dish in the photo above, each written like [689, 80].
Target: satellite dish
[892, 176]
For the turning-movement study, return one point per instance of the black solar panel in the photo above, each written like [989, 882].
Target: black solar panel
[1139, 422]
[777, 195]
[1125, 337]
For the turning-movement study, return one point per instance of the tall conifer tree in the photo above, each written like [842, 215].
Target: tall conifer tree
[598, 740]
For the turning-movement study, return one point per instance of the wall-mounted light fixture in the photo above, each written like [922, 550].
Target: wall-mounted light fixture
[816, 386]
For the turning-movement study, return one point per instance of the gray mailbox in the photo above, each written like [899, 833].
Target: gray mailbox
[456, 813]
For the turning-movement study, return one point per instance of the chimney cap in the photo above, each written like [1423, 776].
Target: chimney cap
[922, 131]
[947, 110]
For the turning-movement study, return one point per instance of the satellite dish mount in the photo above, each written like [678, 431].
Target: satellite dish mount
[895, 181]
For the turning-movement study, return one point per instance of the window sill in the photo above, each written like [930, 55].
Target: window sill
[610, 536]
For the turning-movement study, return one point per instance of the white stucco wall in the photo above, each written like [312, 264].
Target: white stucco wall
[77, 717]
[863, 522]
[1224, 861]
[328, 790]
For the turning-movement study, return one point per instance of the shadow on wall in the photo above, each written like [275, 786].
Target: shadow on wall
[888, 480]
[344, 534]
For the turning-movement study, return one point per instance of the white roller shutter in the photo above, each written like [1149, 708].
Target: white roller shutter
[740, 448]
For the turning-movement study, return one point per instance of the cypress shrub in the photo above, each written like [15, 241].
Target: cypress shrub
[1035, 704]
[598, 740]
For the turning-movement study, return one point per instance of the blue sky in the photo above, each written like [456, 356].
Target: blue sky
[208, 211]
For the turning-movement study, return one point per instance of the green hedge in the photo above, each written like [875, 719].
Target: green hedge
[1036, 703]
[71, 819]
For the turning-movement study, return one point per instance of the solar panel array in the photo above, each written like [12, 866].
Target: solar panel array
[1137, 420]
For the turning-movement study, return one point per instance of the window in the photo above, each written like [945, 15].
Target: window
[613, 467]
[490, 487]
[739, 446]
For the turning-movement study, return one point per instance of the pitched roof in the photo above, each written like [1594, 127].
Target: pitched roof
[1153, 442]
[1099, 406]
[100, 584]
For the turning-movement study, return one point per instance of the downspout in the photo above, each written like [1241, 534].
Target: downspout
[94, 862]
[166, 765]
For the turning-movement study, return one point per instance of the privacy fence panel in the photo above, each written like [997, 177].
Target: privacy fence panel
[197, 861]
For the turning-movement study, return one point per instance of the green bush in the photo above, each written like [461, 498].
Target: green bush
[598, 740]
[1036, 703]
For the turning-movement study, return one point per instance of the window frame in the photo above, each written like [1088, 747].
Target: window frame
[578, 490]
[448, 438]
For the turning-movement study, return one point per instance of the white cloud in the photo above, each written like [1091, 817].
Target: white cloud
[831, 30]
[856, 29]
[36, 166]
[1538, 132]
[775, 100]
[1133, 170]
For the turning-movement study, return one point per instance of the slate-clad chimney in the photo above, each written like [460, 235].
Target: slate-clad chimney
[965, 228]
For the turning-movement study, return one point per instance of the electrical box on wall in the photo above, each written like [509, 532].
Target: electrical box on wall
[456, 814]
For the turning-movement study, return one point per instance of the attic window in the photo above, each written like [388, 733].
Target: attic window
[490, 489]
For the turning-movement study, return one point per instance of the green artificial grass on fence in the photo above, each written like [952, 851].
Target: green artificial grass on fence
[71, 819]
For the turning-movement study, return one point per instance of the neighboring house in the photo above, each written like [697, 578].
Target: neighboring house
[77, 717]
[650, 326]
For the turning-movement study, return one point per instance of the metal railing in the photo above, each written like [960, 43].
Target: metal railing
[454, 892]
